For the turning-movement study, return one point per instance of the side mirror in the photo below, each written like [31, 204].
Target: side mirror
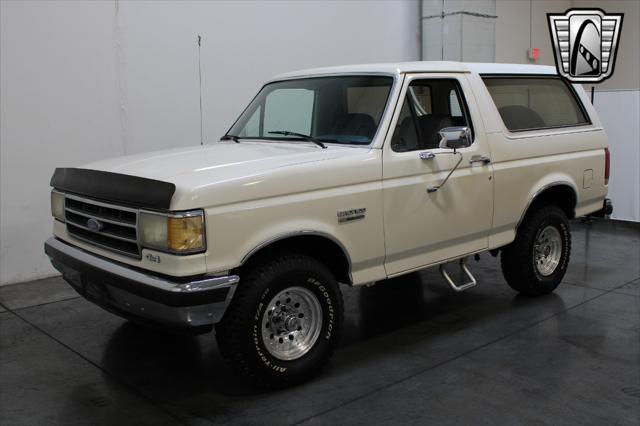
[455, 137]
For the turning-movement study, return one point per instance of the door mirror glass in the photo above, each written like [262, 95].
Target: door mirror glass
[455, 137]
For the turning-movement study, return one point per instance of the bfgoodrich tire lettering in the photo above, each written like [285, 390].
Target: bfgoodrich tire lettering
[240, 333]
[519, 258]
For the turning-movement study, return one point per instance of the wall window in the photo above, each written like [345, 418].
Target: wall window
[527, 103]
[429, 106]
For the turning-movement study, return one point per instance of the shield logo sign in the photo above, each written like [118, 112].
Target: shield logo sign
[585, 43]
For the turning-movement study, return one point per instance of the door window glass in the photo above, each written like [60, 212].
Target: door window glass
[429, 106]
[421, 97]
[454, 104]
[405, 138]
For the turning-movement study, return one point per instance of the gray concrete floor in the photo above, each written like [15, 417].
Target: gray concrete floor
[413, 352]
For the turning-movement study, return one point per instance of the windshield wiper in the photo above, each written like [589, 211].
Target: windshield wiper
[229, 137]
[300, 135]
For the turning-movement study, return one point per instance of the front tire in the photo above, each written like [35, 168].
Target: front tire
[284, 321]
[535, 263]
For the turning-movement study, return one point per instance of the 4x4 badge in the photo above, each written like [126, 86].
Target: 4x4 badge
[585, 43]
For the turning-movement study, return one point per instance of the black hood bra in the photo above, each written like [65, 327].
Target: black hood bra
[114, 187]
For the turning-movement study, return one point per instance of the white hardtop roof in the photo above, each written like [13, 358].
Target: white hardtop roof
[423, 66]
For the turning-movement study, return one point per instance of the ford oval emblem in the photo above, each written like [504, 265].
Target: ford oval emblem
[94, 224]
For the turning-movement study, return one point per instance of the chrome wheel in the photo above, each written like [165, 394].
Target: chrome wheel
[547, 250]
[291, 323]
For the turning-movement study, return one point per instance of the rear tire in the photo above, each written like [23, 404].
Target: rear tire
[284, 321]
[535, 263]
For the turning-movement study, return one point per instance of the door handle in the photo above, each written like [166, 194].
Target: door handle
[480, 159]
[426, 155]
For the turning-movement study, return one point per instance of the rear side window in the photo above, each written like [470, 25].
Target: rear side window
[527, 103]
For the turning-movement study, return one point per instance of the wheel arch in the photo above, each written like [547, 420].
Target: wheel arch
[319, 245]
[562, 194]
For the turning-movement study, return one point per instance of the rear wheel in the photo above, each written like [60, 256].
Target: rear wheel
[535, 263]
[284, 321]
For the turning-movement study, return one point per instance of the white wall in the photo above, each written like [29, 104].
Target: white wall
[81, 81]
[458, 30]
[58, 107]
[619, 111]
[522, 24]
[617, 101]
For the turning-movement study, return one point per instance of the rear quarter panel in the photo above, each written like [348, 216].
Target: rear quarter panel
[525, 163]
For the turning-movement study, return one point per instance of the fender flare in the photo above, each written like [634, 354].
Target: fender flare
[303, 233]
[538, 192]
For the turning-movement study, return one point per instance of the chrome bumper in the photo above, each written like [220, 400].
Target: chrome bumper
[139, 296]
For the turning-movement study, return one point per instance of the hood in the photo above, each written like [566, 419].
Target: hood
[226, 172]
[223, 160]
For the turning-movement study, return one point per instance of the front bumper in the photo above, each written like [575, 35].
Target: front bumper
[134, 294]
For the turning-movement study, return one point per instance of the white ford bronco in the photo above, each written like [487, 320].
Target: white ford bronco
[345, 175]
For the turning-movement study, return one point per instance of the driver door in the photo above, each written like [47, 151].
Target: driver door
[424, 228]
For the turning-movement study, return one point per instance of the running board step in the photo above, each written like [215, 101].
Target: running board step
[463, 267]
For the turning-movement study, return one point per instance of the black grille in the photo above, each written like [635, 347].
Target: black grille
[117, 225]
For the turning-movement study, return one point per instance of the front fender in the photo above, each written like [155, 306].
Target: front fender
[236, 232]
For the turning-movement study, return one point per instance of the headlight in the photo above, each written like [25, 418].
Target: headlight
[177, 233]
[57, 205]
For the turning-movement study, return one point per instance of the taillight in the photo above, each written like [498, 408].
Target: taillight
[607, 165]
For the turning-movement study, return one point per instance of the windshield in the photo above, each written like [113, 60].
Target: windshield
[344, 110]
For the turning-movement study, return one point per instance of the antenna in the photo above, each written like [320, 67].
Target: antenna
[200, 82]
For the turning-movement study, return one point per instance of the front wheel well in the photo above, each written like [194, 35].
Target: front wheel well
[321, 248]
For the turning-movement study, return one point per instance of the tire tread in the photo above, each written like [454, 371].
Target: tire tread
[229, 333]
[515, 259]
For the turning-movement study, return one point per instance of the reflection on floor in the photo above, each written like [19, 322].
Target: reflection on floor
[412, 352]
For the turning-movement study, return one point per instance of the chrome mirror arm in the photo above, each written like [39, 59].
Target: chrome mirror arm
[437, 187]
[452, 137]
